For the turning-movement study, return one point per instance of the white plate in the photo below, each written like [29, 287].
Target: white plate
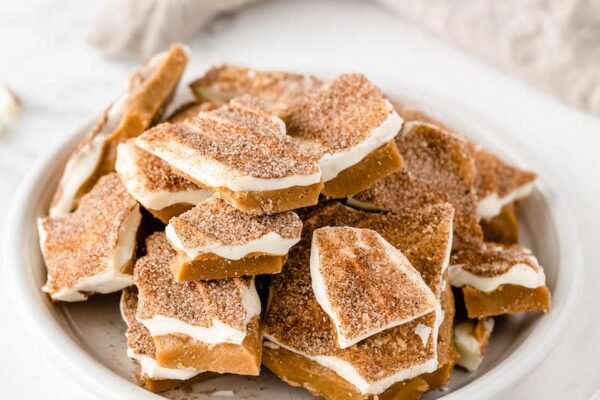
[87, 339]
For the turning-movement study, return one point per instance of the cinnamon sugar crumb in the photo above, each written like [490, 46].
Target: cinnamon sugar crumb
[486, 165]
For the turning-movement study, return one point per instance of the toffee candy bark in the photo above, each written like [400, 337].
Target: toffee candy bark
[351, 263]
[153, 183]
[241, 153]
[91, 250]
[140, 347]
[216, 241]
[439, 168]
[499, 279]
[349, 127]
[492, 177]
[499, 184]
[300, 340]
[443, 162]
[471, 339]
[279, 90]
[148, 91]
[209, 326]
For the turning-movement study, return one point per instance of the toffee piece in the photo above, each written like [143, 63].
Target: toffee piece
[209, 326]
[241, 153]
[148, 91]
[438, 169]
[153, 183]
[443, 162]
[91, 249]
[347, 264]
[216, 241]
[301, 342]
[471, 338]
[280, 91]
[140, 347]
[499, 279]
[499, 184]
[349, 127]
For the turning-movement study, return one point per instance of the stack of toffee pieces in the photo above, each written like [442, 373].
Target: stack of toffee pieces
[312, 227]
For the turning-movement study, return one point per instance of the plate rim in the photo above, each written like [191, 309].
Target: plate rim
[74, 360]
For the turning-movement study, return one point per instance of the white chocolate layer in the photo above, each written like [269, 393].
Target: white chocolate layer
[352, 202]
[332, 164]
[491, 205]
[469, 348]
[217, 332]
[110, 280]
[272, 243]
[152, 370]
[424, 332]
[132, 177]
[519, 274]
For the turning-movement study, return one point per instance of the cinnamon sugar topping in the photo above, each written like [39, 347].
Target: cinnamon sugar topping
[147, 173]
[341, 114]
[251, 113]
[399, 192]
[496, 176]
[486, 165]
[365, 284]
[84, 243]
[443, 162]
[215, 222]
[279, 90]
[197, 303]
[228, 144]
[494, 259]
[511, 178]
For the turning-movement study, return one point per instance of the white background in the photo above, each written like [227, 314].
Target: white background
[64, 82]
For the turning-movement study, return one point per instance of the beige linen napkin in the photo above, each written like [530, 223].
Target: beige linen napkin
[553, 44]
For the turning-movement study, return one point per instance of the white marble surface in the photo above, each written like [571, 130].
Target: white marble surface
[63, 83]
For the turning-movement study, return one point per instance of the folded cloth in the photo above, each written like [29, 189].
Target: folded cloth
[553, 44]
[139, 28]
